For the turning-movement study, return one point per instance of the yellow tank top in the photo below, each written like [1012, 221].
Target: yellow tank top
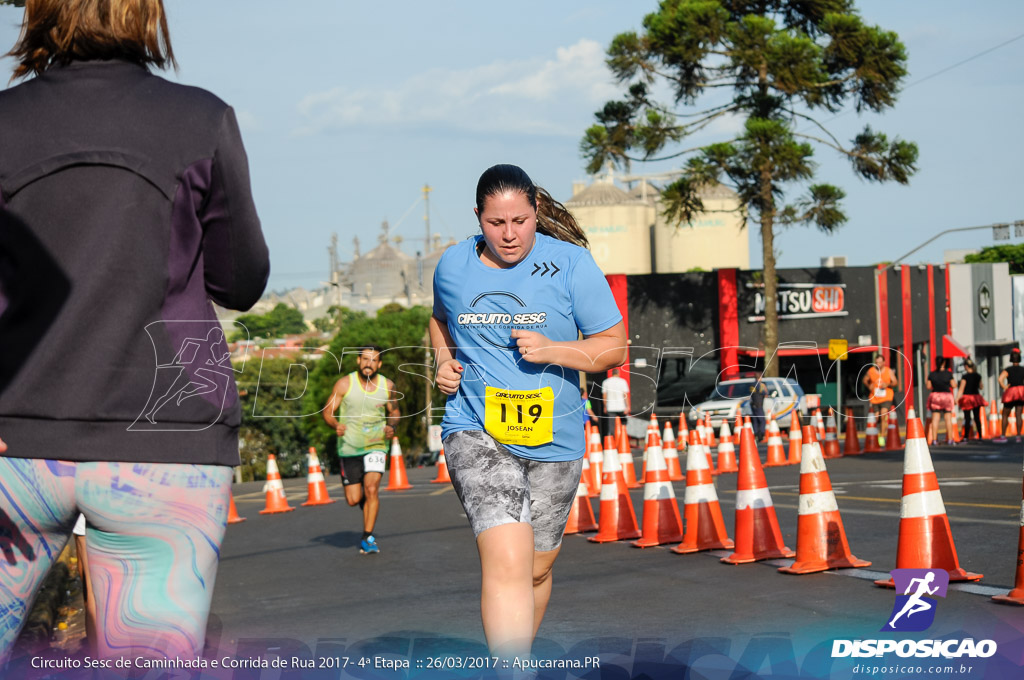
[362, 413]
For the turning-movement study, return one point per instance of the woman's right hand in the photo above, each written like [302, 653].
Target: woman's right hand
[449, 375]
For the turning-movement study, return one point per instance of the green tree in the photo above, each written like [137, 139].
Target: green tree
[774, 64]
[1014, 254]
[406, 360]
[336, 318]
[270, 392]
[281, 320]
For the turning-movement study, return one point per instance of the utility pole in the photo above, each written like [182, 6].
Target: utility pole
[426, 217]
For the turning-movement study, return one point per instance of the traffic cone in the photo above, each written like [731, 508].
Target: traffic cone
[397, 481]
[442, 469]
[1011, 424]
[995, 424]
[831, 447]
[595, 454]
[819, 425]
[705, 527]
[616, 519]
[871, 434]
[925, 539]
[581, 514]
[316, 483]
[747, 443]
[820, 537]
[795, 438]
[852, 444]
[1016, 596]
[758, 536]
[233, 517]
[726, 450]
[276, 500]
[682, 432]
[626, 461]
[709, 431]
[671, 452]
[892, 435]
[776, 453]
[661, 521]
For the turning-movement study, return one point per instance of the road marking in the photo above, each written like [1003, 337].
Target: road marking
[444, 489]
[869, 575]
[900, 500]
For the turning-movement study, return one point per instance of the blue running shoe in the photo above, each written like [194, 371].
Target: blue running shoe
[369, 546]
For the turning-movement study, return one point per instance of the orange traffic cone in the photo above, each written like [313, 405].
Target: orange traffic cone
[892, 434]
[442, 470]
[581, 514]
[1011, 425]
[925, 539]
[795, 438]
[819, 425]
[709, 431]
[747, 443]
[626, 461]
[995, 424]
[758, 536]
[616, 519]
[776, 453]
[276, 500]
[852, 444]
[831, 447]
[705, 527]
[726, 450]
[595, 454]
[397, 481]
[233, 517]
[820, 537]
[871, 434]
[670, 449]
[661, 521]
[1016, 596]
[316, 483]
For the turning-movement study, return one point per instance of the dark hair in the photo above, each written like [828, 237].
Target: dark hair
[1014, 356]
[373, 348]
[940, 362]
[553, 218]
[57, 32]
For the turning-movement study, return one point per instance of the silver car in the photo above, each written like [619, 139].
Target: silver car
[732, 397]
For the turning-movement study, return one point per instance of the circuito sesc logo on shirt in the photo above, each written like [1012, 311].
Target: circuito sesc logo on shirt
[492, 324]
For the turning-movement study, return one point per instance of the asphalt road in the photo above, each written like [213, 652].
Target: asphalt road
[295, 585]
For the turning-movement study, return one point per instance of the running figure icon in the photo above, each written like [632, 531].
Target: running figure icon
[915, 604]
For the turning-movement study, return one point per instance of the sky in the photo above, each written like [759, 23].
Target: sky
[347, 109]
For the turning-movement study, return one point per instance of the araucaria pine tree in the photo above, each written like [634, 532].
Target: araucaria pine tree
[776, 65]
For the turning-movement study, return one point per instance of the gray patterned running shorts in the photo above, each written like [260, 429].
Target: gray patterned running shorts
[498, 487]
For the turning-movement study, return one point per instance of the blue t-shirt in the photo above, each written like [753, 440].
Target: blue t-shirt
[558, 291]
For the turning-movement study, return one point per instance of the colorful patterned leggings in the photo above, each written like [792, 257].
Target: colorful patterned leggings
[153, 539]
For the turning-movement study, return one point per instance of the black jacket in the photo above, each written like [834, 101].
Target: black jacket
[126, 207]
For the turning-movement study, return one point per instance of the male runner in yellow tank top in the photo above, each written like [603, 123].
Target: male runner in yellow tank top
[360, 399]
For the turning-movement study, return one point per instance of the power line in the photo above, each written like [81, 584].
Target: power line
[961, 63]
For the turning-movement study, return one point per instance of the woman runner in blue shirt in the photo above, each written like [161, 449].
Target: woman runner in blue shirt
[510, 305]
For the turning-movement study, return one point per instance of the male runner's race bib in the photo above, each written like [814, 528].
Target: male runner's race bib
[374, 462]
[522, 417]
[881, 393]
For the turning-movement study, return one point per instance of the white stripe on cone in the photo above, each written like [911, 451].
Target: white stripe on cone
[700, 493]
[814, 503]
[923, 504]
[656, 491]
[747, 499]
[918, 459]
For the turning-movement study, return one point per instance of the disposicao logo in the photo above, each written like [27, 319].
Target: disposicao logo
[914, 611]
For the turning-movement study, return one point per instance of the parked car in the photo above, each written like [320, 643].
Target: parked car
[732, 397]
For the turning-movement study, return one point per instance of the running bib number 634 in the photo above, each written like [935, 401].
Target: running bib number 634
[522, 417]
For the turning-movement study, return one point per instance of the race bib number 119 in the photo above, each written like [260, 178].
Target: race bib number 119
[522, 417]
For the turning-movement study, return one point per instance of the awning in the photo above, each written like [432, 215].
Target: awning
[994, 348]
[952, 348]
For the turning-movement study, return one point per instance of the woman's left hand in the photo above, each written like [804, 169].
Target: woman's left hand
[531, 346]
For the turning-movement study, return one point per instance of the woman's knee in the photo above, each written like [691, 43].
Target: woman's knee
[541, 574]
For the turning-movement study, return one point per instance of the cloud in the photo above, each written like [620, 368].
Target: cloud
[524, 96]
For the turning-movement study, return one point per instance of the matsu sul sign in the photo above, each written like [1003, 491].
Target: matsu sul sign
[802, 300]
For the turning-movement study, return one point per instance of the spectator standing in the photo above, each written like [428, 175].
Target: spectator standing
[615, 394]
